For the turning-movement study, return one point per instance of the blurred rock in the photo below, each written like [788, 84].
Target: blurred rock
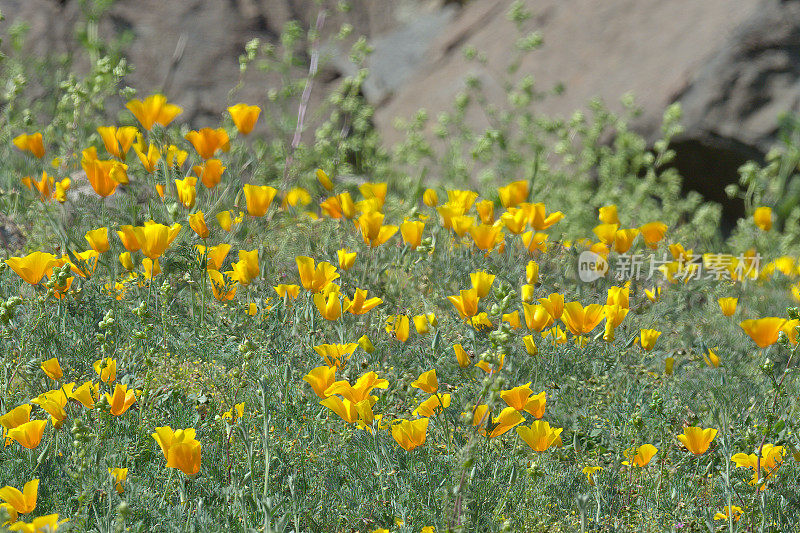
[11, 237]
[199, 73]
[734, 65]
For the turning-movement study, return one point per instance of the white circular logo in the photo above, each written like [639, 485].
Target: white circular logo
[591, 266]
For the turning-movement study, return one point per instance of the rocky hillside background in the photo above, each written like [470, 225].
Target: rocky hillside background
[734, 65]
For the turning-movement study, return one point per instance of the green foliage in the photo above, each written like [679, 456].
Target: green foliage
[290, 464]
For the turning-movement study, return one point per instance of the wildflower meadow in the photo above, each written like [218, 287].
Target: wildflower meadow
[531, 328]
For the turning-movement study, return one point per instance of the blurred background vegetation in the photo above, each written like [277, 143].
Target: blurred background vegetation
[668, 107]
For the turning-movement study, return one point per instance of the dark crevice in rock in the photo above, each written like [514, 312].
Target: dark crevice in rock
[708, 164]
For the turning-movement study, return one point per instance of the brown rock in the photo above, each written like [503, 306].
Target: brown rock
[733, 65]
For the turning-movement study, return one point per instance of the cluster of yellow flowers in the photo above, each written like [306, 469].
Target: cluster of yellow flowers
[472, 223]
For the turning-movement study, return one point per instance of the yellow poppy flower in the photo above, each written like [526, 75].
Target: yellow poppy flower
[771, 459]
[118, 140]
[339, 206]
[487, 237]
[728, 305]
[244, 117]
[376, 191]
[118, 476]
[324, 179]
[373, 232]
[530, 345]
[121, 400]
[696, 439]
[32, 143]
[361, 390]
[98, 239]
[149, 158]
[33, 267]
[15, 417]
[346, 258]
[360, 304]
[315, 278]
[215, 255]
[410, 434]
[653, 294]
[554, 305]
[106, 369]
[618, 296]
[427, 382]
[606, 233]
[763, 331]
[481, 282]
[48, 188]
[517, 397]
[641, 456]
[505, 421]
[485, 209]
[724, 515]
[104, 176]
[290, 291]
[532, 273]
[431, 406]
[540, 436]
[623, 239]
[86, 394]
[422, 323]
[247, 268]
[590, 471]
[207, 141]
[29, 434]
[711, 359]
[52, 368]
[762, 217]
[513, 194]
[412, 233]
[535, 241]
[210, 172]
[462, 356]
[150, 268]
[608, 214]
[539, 220]
[222, 286]
[24, 501]
[180, 448]
[647, 338]
[461, 201]
[336, 354]
[652, 233]
[233, 414]
[258, 198]
[366, 344]
[320, 379]
[83, 263]
[154, 109]
[54, 402]
[400, 326]
[187, 191]
[329, 305]
[197, 222]
[582, 320]
[466, 302]
[430, 198]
